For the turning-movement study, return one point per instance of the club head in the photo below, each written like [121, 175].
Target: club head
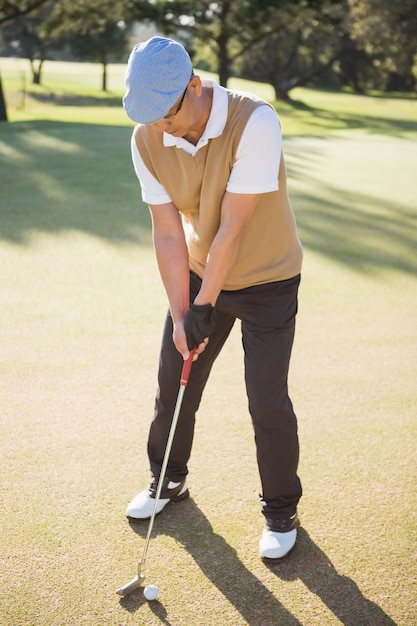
[135, 583]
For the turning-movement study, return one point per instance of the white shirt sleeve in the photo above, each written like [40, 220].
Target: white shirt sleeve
[152, 190]
[254, 171]
[258, 155]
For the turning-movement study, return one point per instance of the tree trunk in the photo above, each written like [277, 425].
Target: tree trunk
[36, 72]
[223, 60]
[3, 109]
[222, 45]
[282, 93]
[104, 77]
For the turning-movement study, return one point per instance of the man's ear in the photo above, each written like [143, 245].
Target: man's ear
[196, 84]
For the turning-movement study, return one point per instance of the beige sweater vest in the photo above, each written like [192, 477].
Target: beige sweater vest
[270, 249]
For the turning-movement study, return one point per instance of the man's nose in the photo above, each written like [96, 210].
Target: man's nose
[162, 125]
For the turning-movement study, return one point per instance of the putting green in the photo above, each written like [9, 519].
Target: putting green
[81, 318]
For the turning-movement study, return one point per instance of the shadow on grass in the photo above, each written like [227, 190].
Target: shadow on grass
[219, 563]
[257, 605]
[74, 100]
[369, 124]
[63, 177]
[365, 232]
[339, 593]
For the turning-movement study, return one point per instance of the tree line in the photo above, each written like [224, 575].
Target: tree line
[362, 44]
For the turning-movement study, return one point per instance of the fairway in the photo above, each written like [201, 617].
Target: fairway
[82, 308]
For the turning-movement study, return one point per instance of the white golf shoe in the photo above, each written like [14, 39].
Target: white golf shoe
[278, 538]
[141, 506]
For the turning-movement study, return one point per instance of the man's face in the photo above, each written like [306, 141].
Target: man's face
[182, 117]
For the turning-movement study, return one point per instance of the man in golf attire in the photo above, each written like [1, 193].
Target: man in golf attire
[210, 165]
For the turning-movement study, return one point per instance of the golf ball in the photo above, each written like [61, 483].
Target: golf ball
[150, 592]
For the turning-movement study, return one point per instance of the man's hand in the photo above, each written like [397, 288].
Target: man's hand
[180, 341]
[199, 323]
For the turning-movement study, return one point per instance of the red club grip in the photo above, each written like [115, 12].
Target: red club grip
[186, 368]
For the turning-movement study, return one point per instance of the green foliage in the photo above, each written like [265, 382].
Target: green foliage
[91, 30]
[94, 31]
[365, 45]
[29, 35]
[386, 33]
[97, 31]
[11, 9]
[303, 45]
[230, 28]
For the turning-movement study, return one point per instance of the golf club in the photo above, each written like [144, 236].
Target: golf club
[136, 582]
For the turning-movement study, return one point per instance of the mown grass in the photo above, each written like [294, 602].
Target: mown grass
[77, 88]
[82, 308]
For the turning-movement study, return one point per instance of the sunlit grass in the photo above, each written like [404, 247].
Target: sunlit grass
[82, 307]
[72, 91]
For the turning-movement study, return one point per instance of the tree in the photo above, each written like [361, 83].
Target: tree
[228, 28]
[386, 32]
[9, 10]
[30, 36]
[304, 45]
[94, 31]
[363, 43]
[244, 33]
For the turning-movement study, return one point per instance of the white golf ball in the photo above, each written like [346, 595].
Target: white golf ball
[150, 592]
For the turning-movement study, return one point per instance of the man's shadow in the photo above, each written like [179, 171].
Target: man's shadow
[339, 593]
[221, 565]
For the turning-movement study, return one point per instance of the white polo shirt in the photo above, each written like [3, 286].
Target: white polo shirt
[257, 159]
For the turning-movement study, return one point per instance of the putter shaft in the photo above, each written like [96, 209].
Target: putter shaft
[136, 582]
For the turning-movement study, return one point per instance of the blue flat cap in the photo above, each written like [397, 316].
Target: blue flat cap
[157, 73]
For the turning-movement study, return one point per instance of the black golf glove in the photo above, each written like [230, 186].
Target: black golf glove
[199, 323]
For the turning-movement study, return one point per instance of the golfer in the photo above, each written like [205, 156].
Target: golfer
[210, 165]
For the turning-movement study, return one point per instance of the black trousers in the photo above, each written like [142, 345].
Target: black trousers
[267, 313]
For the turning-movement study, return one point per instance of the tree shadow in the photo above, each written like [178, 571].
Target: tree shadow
[352, 121]
[356, 229]
[61, 177]
[255, 603]
[342, 228]
[75, 100]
